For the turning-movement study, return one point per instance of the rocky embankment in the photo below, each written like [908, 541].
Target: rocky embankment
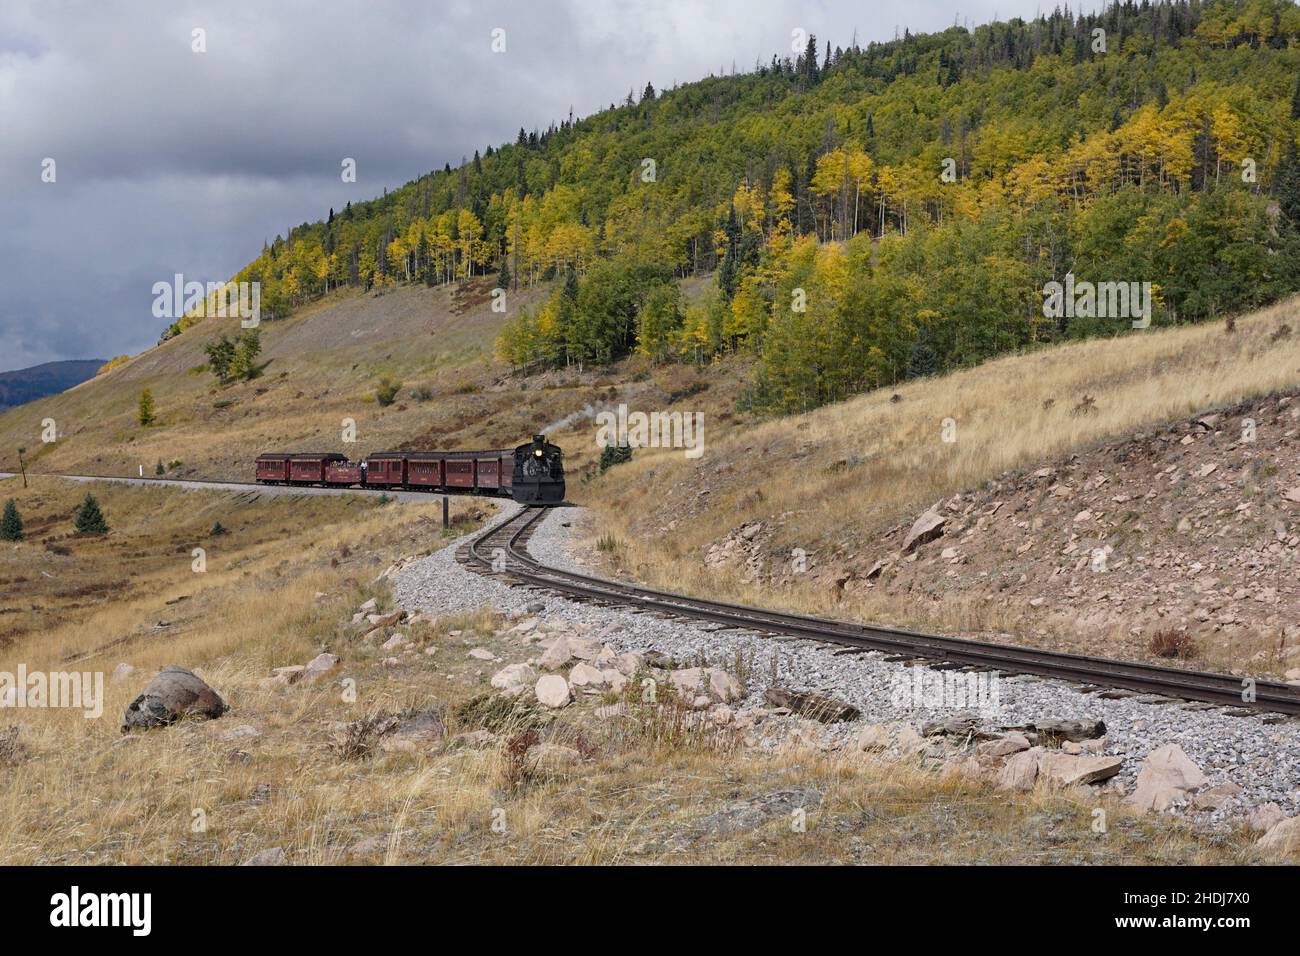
[1014, 733]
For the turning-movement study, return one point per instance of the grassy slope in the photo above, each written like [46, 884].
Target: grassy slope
[319, 367]
[835, 481]
[77, 792]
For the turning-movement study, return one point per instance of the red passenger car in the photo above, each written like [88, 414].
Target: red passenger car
[424, 469]
[386, 468]
[460, 471]
[488, 475]
[273, 468]
[308, 468]
[343, 473]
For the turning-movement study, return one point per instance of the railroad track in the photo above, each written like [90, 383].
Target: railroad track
[502, 549]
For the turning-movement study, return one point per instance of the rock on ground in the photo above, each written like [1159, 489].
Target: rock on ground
[173, 694]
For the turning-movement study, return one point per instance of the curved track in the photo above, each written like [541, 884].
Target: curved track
[502, 549]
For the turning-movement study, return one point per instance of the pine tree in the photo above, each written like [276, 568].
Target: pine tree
[1288, 185]
[89, 519]
[145, 411]
[11, 523]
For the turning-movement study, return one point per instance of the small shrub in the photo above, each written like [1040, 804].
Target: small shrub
[515, 770]
[158, 469]
[1171, 643]
[608, 543]
[11, 751]
[218, 529]
[359, 738]
[612, 455]
[386, 391]
[1087, 406]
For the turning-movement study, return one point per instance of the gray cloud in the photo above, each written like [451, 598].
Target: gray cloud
[172, 161]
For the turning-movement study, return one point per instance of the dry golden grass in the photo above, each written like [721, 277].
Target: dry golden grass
[194, 793]
[835, 479]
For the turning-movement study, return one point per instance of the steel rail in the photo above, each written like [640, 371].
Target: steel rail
[1222, 689]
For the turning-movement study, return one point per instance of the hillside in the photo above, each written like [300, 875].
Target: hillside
[872, 213]
[28, 384]
[1174, 454]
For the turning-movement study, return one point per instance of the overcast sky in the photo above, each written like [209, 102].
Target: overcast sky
[168, 160]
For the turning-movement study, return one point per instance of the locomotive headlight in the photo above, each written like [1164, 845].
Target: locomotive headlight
[537, 452]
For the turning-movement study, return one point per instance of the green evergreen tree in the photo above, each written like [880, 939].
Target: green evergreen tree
[11, 523]
[145, 411]
[89, 519]
[1288, 185]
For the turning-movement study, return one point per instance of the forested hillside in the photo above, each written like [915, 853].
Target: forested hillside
[871, 213]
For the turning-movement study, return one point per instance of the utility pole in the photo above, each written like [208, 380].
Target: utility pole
[21, 466]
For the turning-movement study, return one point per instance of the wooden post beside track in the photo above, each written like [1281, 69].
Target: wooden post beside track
[446, 521]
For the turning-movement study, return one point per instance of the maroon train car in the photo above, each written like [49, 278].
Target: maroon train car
[344, 473]
[386, 468]
[309, 467]
[487, 473]
[273, 467]
[460, 471]
[424, 469]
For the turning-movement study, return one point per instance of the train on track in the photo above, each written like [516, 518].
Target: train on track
[532, 473]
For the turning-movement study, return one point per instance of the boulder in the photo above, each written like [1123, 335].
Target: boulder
[552, 691]
[482, 654]
[1005, 745]
[874, 737]
[725, 687]
[1068, 770]
[175, 693]
[1283, 837]
[688, 681]
[925, 529]
[586, 678]
[1019, 772]
[286, 675]
[413, 733]
[1075, 730]
[1216, 797]
[1167, 775]
[554, 758]
[614, 679]
[828, 710]
[557, 656]
[319, 668]
[1264, 818]
[629, 663]
[514, 679]
[584, 648]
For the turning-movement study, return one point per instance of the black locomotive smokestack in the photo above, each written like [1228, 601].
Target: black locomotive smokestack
[539, 439]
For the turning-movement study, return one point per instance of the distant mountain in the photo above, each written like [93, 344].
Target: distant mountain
[28, 384]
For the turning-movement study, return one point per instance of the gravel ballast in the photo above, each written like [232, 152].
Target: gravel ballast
[1255, 752]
